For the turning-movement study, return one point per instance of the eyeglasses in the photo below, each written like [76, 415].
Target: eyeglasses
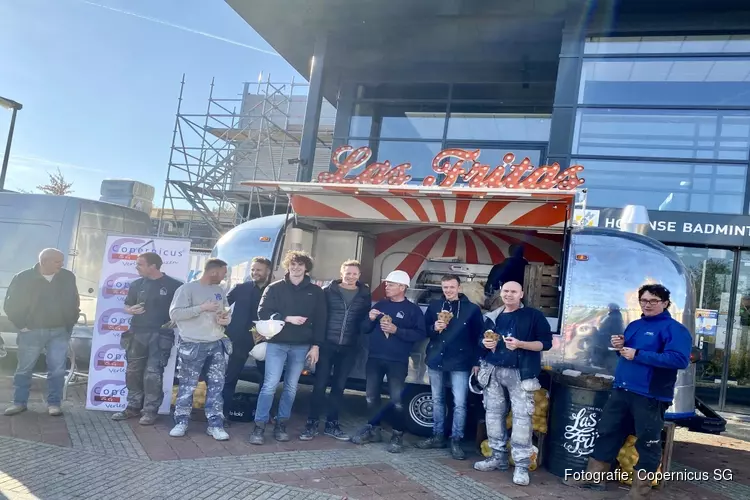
[651, 302]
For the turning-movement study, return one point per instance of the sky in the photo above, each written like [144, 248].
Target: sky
[99, 82]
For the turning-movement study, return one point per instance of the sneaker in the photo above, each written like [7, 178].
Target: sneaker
[126, 414]
[218, 433]
[256, 437]
[521, 476]
[432, 442]
[456, 451]
[147, 419]
[14, 409]
[54, 411]
[333, 429]
[178, 430]
[498, 461]
[311, 430]
[279, 431]
[397, 442]
[367, 434]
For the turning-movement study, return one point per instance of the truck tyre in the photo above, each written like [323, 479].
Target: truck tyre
[418, 408]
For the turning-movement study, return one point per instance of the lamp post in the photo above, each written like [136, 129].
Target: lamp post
[15, 106]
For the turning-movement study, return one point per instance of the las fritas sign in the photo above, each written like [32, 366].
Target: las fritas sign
[684, 227]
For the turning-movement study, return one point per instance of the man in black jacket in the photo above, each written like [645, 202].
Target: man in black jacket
[43, 304]
[348, 303]
[454, 325]
[302, 306]
[148, 342]
[245, 297]
[513, 363]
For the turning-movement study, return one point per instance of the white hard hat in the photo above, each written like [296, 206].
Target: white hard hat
[259, 351]
[399, 277]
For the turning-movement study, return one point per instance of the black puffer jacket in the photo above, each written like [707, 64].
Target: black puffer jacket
[345, 322]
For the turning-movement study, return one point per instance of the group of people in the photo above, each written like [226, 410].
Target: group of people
[499, 353]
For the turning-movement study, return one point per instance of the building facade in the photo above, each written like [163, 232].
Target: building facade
[652, 98]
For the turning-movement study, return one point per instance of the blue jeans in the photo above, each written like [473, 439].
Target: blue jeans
[460, 388]
[277, 355]
[30, 346]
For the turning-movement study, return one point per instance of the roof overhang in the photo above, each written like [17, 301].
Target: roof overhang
[456, 207]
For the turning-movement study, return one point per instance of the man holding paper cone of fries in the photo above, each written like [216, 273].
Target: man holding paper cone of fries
[513, 342]
[454, 325]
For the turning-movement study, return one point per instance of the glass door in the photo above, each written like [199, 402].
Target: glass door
[711, 271]
[737, 396]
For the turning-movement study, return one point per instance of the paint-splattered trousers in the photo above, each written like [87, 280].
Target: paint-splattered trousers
[147, 355]
[625, 414]
[496, 410]
[192, 356]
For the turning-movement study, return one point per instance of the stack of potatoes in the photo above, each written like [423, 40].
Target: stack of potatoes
[541, 407]
[627, 458]
[199, 395]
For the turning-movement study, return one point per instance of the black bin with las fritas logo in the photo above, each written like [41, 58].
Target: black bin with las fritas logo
[576, 407]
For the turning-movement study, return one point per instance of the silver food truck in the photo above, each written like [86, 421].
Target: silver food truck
[577, 276]
[78, 227]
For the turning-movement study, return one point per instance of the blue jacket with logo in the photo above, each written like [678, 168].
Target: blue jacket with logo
[662, 347]
[409, 321]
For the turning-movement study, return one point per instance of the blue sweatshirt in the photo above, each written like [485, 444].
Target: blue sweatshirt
[409, 322]
[663, 347]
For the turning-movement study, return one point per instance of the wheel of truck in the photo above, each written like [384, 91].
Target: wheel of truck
[418, 406]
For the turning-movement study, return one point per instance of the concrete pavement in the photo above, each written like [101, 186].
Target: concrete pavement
[86, 455]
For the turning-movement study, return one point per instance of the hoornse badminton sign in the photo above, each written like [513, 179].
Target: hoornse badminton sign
[455, 167]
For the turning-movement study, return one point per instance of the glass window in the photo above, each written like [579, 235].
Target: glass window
[663, 134]
[668, 44]
[410, 121]
[664, 186]
[661, 81]
[499, 127]
[739, 357]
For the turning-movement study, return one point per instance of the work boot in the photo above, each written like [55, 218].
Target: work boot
[126, 414]
[256, 437]
[433, 442]
[148, 418]
[178, 430]
[14, 409]
[368, 434]
[397, 442]
[311, 430]
[521, 476]
[54, 410]
[218, 433]
[498, 461]
[588, 479]
[456, 451]
[333, 429]
[279, 431]
[640, 489]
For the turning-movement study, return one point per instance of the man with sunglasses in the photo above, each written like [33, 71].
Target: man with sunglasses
[651, 351]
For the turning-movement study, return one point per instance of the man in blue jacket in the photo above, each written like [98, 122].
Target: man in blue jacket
[394, 325]
[651, 351]
[454, 325]
[512, 362]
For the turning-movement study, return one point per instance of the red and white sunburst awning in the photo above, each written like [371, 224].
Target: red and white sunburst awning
[517, 208]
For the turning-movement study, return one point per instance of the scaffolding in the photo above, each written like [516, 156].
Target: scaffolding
[254, 137]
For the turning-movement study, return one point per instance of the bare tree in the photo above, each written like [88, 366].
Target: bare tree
[57, 185]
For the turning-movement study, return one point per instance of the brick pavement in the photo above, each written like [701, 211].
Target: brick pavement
[87, 455]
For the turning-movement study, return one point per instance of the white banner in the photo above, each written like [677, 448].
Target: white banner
[106, 385]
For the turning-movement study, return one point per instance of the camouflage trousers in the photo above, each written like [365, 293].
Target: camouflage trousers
[521, 397]
[192, 356]
[147, 355]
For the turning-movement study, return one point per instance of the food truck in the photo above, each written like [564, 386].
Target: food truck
[463, 220]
